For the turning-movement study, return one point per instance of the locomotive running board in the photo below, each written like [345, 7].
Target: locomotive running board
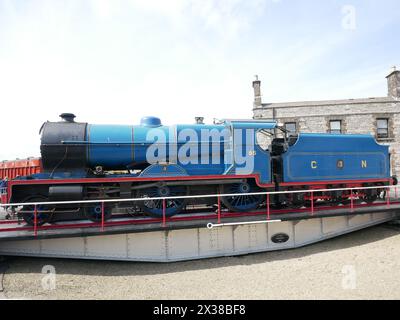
[198, 242]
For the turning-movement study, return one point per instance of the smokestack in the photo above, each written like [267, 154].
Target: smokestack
[394, 83]
[67, 117]
[257, 93]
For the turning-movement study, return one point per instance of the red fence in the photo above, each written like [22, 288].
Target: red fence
[389, 199]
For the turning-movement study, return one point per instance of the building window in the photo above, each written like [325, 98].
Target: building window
[335, 126]
[382, 128]
[291, 127]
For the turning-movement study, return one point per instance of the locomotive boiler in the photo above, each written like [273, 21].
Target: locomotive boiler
[71, 147]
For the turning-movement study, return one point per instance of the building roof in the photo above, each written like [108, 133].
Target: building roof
[327, 103]
[394, 71]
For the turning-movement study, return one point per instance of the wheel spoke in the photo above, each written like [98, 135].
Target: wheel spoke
[95, 214]
[242, 202]
[44, 213]
[155, 207]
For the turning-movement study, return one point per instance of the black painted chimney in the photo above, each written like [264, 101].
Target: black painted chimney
[68, 117]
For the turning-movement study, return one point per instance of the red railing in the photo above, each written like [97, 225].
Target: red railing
[219, 216]
[3, 195]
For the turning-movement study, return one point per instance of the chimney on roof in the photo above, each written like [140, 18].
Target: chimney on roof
[394, 83]
[257, 93]
[199, 120]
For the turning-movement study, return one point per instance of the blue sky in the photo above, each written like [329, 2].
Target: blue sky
[114, 61]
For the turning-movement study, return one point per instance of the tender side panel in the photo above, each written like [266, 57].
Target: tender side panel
[335, 157]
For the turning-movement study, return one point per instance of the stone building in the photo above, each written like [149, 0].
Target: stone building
[379, 116]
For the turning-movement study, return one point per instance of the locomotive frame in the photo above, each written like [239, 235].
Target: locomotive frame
[34, 186]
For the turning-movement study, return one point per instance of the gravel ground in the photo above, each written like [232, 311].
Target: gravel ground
[314, 272]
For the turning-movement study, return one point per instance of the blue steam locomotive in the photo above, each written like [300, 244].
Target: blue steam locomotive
[82, 161]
